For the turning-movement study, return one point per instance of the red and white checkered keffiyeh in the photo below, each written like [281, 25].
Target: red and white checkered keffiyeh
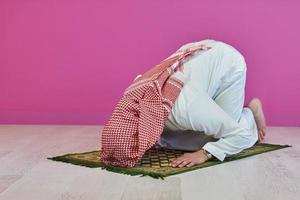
[138, 118]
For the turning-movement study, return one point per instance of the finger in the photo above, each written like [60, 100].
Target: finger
[177, 159]
[182, 157]
[181, 162]
[262, 135]
[259, 138]
[190, 164]
[177, 162]
[173, 162]
[259, 134]
[184, 163]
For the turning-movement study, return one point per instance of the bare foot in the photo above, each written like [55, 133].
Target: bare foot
[256, 107]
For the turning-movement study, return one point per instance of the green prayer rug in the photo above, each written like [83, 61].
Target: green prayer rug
[155, 162]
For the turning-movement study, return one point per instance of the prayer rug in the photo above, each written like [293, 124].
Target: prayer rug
[155, 162]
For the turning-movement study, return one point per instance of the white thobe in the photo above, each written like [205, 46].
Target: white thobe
[209, 112]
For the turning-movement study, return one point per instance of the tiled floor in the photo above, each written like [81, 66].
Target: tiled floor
[25, 173]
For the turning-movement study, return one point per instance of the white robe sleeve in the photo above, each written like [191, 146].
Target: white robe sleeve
[245, 137]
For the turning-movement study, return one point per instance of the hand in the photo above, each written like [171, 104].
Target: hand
[190, 159]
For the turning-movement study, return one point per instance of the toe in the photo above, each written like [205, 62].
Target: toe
[261, 136]
[264, 131]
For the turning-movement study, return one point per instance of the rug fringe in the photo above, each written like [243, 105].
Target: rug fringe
[132, 172]
[111, 168]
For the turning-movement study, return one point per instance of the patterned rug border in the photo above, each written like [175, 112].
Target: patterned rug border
[137, 171]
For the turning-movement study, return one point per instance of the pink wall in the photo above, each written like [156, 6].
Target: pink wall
[69, 61]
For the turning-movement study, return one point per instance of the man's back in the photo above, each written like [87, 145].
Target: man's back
[210, 72]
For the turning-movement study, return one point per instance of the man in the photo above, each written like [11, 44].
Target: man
[211, 105]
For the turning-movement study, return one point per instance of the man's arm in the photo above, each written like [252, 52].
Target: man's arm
[220, 149]
[230, 145]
